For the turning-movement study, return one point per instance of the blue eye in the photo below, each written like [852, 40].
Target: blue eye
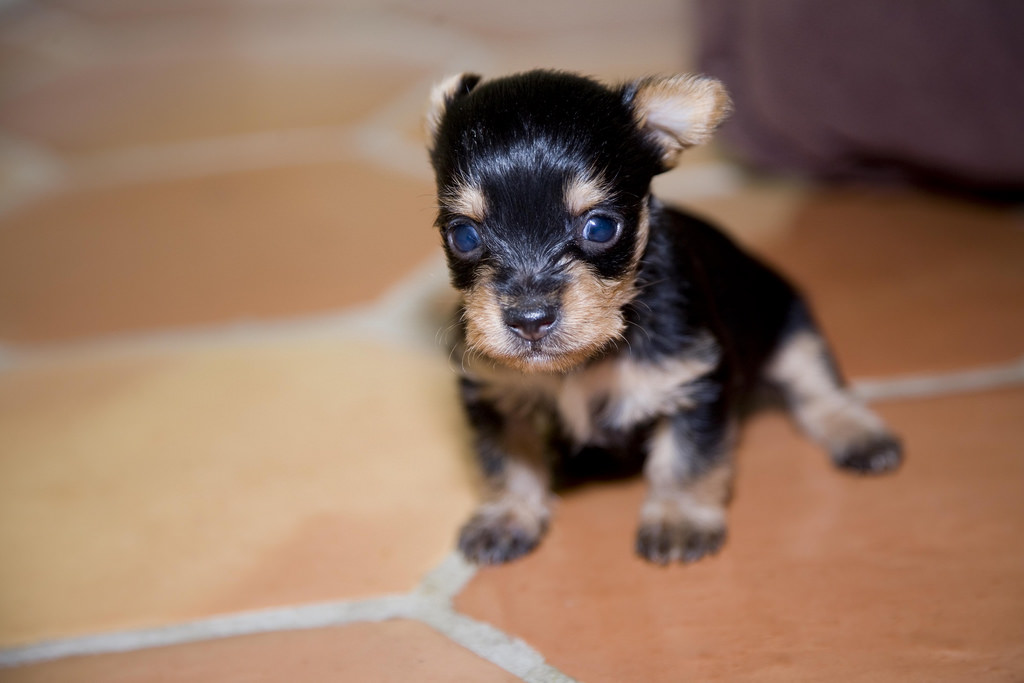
[600, 229]
[465, 238]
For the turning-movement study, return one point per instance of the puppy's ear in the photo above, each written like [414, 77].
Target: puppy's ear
[677, 112]
[443, 94]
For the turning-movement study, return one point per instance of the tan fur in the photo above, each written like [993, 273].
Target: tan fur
[632, 391]
[646, 390]
[440, 95]
[466, 200]
[591, 306]
[680, 111]
[526, 474]
[510, 511]
[584, 193]
[643, 232]
[575, 395]
[513, 392]
[629, 391]
[486, 331]
[713, 487]
[520, 495]
[677, 497]
[827, 412]
[589, 318]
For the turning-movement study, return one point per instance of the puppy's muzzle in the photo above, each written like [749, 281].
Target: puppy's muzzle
[531, 321]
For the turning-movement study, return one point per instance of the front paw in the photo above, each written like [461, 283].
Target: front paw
[882, 453]
[668, 534]
[501, 532]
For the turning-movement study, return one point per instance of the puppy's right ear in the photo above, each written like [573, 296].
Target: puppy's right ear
[443, 94]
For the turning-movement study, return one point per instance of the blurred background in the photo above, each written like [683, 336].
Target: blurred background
[223, 387]
[171, 164]
[182, 163]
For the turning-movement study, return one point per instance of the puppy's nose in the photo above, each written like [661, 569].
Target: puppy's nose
[531, 323]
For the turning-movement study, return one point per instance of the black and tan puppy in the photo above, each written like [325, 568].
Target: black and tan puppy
[596, 321]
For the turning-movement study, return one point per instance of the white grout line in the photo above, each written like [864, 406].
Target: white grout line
[430, 603]
[447, 579]
[38, 174]
[546, 673]
[511, 654]
[941, 384]
[215, 156]
[410, 314]
[29, 171]
[243, 623]
[439, 588]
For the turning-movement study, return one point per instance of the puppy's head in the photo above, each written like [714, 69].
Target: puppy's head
[543, 189]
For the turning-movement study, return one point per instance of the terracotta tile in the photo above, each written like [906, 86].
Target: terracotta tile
[540, 18]
[395, 651]
[613, 52]
[608, 40]
[107, 10]
[130, 102]
[145, 491]
[20, 68]
[258, 244]
[906, 282]
[917, 576]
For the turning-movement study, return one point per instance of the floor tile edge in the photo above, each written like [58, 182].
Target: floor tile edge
[925, 385]
[221, 626]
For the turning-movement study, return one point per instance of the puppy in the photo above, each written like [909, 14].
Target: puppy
[597, 323]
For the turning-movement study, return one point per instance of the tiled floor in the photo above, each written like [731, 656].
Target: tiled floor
[229, 444]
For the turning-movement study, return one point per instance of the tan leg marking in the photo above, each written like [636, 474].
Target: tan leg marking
[829, 414]
[684, 515]
[511, 522]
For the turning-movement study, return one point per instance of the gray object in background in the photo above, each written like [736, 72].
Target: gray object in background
[917, 90]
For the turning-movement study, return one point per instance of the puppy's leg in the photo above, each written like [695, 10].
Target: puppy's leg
[804, 369]
[512, 453]
[689, 475]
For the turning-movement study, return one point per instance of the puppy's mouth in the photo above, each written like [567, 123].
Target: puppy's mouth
[545, 332]
[539, 341]
[534, 333]
[550, 352]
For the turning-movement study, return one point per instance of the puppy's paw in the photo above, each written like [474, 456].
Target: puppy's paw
[881, 453]
[501, 532]
[669, 534]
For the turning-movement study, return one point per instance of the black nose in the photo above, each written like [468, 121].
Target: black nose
[531, 323]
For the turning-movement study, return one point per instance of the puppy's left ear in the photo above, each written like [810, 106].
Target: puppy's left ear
[677, 112]
[443, 94]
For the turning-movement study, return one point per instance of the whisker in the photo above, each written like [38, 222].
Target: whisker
[641, 328]
[637, 302]
[644, 285]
